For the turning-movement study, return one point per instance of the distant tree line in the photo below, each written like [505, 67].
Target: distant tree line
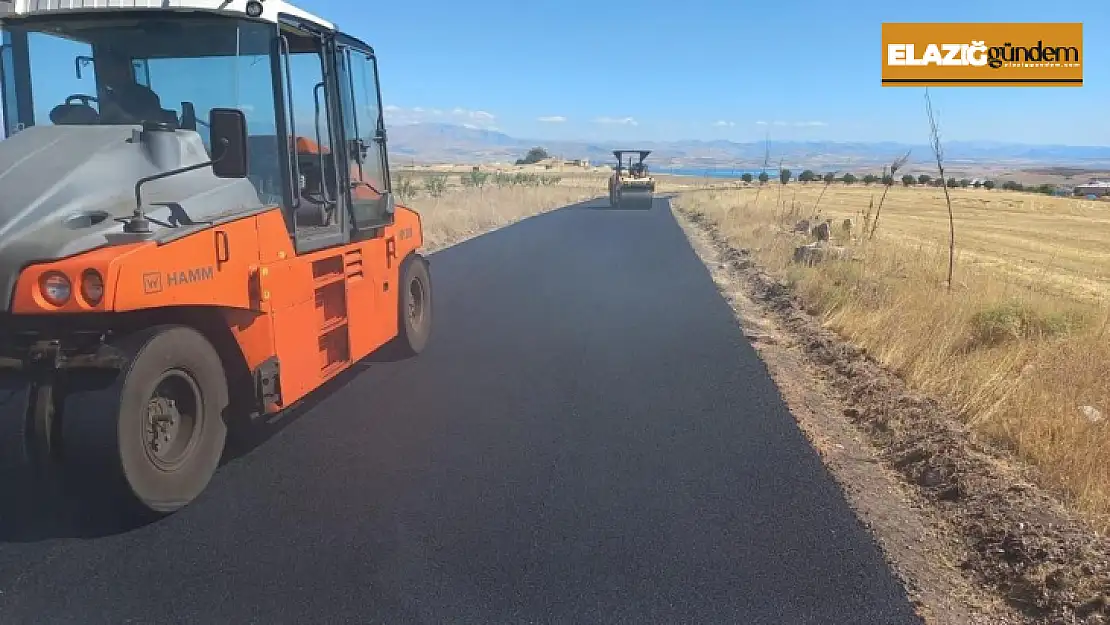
[538, 154]
[908, 180]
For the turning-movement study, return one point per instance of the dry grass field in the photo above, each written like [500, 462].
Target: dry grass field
[455, 212]
[1019, 345]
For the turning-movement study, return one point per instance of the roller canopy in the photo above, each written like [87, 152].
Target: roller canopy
[643, 153]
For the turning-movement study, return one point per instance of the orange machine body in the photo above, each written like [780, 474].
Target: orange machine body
[316, 312]
[254, 265]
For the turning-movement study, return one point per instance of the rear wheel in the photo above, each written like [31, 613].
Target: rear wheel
[154, 437]
[414, 307]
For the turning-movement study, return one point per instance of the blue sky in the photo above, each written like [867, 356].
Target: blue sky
[710, 69]
[813, 67]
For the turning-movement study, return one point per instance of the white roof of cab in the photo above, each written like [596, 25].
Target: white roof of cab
[270, 8]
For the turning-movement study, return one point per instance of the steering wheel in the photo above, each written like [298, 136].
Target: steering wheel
[85, 99]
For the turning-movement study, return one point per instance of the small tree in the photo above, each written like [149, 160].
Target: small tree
[888, 182]
[784, 176]
[849, 179]
[952, 183]
[763, 178]
[908, 180]
[534, 155]
[924, 179]
[869, 179]
[474, 178]
[436, 185]
[747, 177]
[405, 188]
[938, 152]
[828, 178]
[964, 182]
[988, 185]
[807, 176]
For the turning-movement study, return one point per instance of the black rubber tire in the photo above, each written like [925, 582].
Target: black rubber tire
[15, 456]
[103, 444]
[413, 334]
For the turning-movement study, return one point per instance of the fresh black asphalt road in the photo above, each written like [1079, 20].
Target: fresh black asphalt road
[587, 439]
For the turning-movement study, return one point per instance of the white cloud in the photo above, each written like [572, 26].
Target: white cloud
[552, 119]
[478, 116]
[809, 124]
[401, 116]
[626, 121]
[722, 123]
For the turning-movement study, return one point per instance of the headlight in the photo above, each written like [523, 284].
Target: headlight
[55, 288]
[92, 286]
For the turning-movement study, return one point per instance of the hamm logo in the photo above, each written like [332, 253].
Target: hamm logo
[155, 282]
[180, 278]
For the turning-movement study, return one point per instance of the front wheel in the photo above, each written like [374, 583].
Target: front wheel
[154, 437]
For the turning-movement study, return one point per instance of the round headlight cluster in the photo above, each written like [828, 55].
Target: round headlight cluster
[57, 289]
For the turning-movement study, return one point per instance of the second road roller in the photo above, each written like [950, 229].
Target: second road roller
[631, 186]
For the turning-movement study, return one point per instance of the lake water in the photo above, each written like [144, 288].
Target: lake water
[719, 172]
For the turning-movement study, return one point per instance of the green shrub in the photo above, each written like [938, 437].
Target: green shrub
[1015, 321]
[436, 185]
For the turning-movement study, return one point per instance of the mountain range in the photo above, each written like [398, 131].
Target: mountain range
[426, 143]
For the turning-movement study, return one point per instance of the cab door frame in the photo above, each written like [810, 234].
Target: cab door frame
[345, 47]
[341, 232]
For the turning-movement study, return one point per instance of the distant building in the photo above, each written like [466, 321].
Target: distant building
[1097, 188]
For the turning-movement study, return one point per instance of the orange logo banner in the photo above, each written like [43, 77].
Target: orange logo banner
[983, 54]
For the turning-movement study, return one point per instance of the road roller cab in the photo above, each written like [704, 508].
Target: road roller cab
[196, 223]
[631, 186]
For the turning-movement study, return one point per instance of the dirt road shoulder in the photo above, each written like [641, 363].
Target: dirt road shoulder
[962, 525]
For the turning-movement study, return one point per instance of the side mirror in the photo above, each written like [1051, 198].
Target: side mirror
[359, 149]
[81, 61]
[228, 129]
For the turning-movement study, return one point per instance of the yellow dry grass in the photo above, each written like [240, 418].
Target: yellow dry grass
[464, 212]
[1019, 345]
